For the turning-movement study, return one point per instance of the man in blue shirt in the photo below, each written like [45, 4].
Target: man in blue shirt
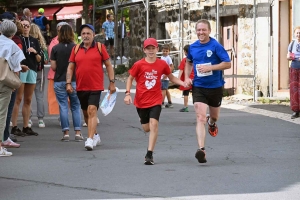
[108, 31]
[207, 58]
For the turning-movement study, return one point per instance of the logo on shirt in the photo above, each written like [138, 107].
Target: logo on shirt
[209, 53]
[151, 78]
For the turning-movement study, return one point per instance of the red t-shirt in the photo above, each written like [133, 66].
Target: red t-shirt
[181, 67]
[147, 76]
[89, 67]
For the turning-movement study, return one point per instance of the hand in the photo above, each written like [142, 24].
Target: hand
[204, 68]
[32, 50]
[127, 99]
[24, 68]
[187, 83]
[69, 88]
[112, 88]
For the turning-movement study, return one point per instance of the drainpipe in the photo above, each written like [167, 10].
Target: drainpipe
[217, 20]
[147, 18]
[94, 8]
[180, 23]
[254, 49]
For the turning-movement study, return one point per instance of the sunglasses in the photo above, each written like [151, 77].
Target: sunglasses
[26, 25]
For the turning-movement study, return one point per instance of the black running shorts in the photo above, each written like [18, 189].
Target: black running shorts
[87, 98]
[146, 113]
[209, 96]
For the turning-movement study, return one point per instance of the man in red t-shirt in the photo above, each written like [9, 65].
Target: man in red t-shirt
[148, 97]
[88, 66]
[185, 91]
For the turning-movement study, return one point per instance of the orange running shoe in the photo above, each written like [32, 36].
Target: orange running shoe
[212, 129]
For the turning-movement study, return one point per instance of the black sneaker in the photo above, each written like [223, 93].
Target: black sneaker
[29, 131]
[16, 131]
[148, 160]
[200, 155]
[295, 115]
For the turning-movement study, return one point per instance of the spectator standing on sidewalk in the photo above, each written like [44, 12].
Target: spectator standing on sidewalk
[164, 79]
[147, 73]
[294, 56]
[13, 55]
[181, 75]
[40, 79]
[59, 63]
[52, 102]
[31, 50]
[208, 59]
[122, 33]
[43, 23]
[87, 63]
[26, 14]
[108, 30]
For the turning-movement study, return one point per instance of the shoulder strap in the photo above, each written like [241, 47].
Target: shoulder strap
[99, 45]
[292, 45]
[76, 49]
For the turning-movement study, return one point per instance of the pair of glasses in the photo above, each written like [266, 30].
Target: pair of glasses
[26, 26]
[298, 48]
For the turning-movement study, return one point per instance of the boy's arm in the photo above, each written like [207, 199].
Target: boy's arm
[176, 80]
[127, 98]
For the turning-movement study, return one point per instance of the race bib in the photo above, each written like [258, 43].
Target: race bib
[199, 74]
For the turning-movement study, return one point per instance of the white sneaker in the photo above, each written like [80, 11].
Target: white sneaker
[10, 124]
[96, 140]
[118, 58]
[89, 144]
[4, 152]
[41, 124]
[84, 124]
[98, 121]
[124, 57]
[30, 123]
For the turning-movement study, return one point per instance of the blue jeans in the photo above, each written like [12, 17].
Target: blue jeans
[9, 113]
[62, 99]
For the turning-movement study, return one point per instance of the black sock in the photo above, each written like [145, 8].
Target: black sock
[203, 148]
[169, 102]
[149, 153]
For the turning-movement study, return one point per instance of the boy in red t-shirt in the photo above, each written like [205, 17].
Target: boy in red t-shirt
[185, 91]
[147, 73]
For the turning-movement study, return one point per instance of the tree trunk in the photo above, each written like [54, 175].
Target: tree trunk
[85, 12]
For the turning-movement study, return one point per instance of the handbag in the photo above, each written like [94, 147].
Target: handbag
[7, 76]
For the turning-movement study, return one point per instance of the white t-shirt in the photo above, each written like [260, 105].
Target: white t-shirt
[168, 60]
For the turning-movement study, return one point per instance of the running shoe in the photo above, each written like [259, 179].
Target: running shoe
[149, 160]
[41, 124]
[65, 138]
[185, 109]
[200, 155]
[89, 144]
[16, 131]
[10, 144]
[212, 129]
[96, 140]
[29, 131]
[4, 152]
[78, 138]
[169, 105]
[30, 123]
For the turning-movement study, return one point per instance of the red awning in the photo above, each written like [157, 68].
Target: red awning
[69, 12]
[49, 11]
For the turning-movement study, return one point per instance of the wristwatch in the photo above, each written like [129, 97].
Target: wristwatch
[112, 80]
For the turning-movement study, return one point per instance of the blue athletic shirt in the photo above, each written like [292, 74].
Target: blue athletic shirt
[211, 53]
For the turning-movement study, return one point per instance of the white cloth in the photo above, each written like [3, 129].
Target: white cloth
[168, 60]
[11, 52]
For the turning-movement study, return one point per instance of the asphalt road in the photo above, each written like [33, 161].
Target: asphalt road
[253, 157]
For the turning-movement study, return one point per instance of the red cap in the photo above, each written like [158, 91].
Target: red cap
[150, 42]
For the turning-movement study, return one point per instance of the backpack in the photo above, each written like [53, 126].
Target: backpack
[39, 22]
[99, 45]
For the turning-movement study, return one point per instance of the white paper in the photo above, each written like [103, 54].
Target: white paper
[108, 104]
[199, 74]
